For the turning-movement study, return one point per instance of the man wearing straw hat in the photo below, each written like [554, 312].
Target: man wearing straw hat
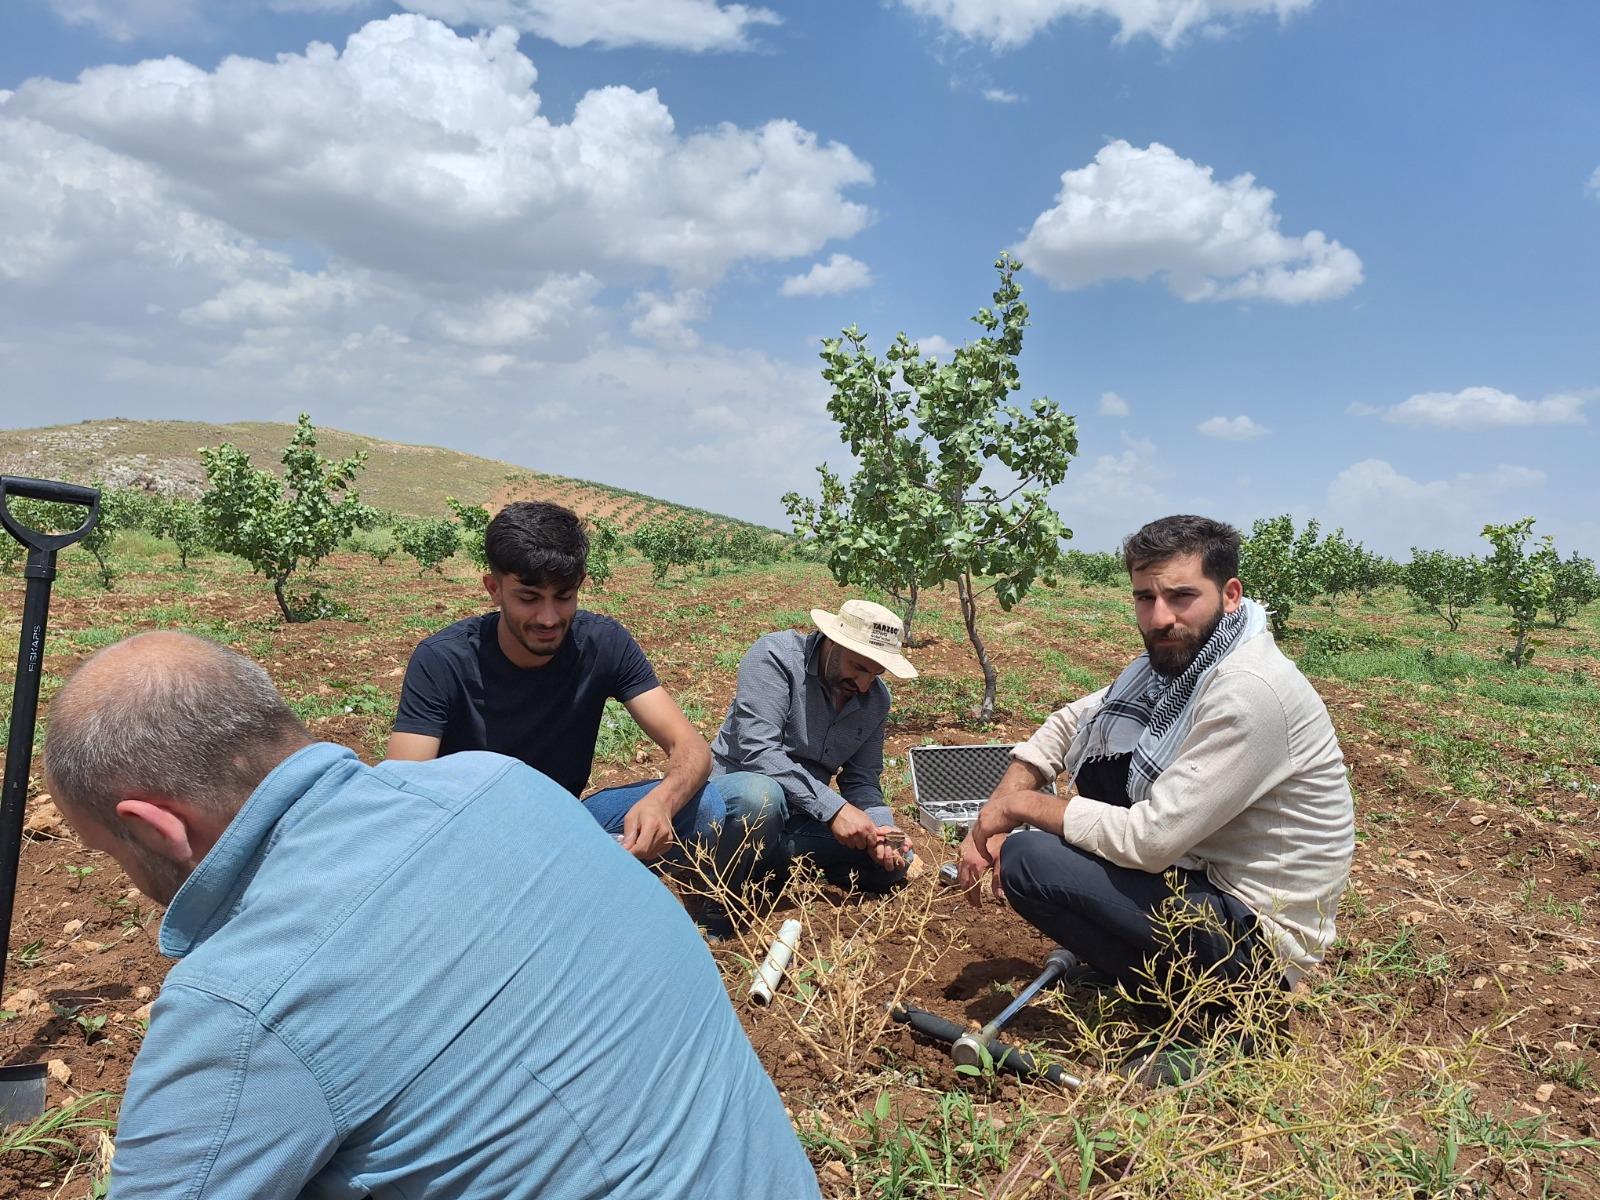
[810, 714]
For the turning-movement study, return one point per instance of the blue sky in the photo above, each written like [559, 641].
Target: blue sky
[1339, 259]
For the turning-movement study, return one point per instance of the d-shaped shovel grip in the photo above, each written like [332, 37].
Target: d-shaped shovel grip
[55, 492]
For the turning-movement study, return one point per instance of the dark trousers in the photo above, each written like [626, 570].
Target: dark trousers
[1111, 917]
[839, 864]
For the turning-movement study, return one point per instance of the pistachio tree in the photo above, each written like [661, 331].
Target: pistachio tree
[181, 522]
[1282, 568]
[1574, 585]
[1444, 583]
[1520, 580]
[429, 540]
[278, 525]
[606, 545]
[951, 481]
[474, 522]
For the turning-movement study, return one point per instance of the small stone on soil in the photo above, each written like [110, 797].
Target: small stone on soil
[1543, 1092]
[72, 927]
[59, 1071]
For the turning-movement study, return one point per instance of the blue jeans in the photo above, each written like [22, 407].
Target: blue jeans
[739, 816]
[839, 864]
[1107, 915]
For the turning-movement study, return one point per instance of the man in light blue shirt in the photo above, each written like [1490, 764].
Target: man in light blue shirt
[438, 980]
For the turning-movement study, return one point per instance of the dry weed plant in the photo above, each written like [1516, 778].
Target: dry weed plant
[836, 994]
[1293, 1094]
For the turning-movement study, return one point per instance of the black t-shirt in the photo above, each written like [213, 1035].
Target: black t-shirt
[462, 689]
[1105, 780]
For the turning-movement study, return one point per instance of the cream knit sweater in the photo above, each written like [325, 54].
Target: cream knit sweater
[1257, 798]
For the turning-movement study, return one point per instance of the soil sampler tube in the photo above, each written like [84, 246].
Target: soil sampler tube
[777, 962]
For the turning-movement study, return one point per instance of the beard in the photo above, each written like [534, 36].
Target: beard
[1173, 658]
[833, 680]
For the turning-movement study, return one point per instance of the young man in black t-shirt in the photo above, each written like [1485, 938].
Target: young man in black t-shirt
[531, 681]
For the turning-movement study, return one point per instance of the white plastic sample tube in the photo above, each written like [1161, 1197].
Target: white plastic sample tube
[777, 962]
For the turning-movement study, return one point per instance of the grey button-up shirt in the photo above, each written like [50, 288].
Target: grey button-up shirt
[783, 724]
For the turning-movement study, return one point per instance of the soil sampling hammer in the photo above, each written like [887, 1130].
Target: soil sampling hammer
[22, 1084]
[971, 1049]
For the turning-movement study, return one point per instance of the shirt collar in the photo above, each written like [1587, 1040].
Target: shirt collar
[205, 900]
[814, 654]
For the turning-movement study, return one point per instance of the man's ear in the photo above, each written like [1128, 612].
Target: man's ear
[1232, 595]
[161, 828]
[491, 584]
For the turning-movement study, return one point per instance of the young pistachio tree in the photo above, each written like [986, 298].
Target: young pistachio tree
[1282, 568]
[278, 525]
[1444, 583]
[1521, 581]
[1575, 584]
[951, 481]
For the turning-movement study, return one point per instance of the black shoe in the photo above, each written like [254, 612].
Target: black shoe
[715, 924]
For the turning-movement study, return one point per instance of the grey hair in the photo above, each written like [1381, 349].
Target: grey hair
[202, 724]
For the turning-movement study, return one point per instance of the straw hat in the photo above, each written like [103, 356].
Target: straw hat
[871, 630]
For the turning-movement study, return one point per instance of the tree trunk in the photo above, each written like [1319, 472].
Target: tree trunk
[1521, 646]
[289, 614]
[910, 602]
[969, 614]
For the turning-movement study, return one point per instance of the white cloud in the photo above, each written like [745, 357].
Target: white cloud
[1008, 23]
[669, 24]
[1485, 408]
[668, 319]
[1134, 214]
[1593, 186]
[1392, 511]
[1000, 96]
[840, 273]
[558, 307]
[1113, 405]
[297, 296]
[1360, 408]
[1115, 493]
[419, 151]
[934, 346]
[394, 238]
[691, 25]
[132, 20]
[1232, 429]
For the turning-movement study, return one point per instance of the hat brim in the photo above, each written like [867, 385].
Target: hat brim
[834, 630]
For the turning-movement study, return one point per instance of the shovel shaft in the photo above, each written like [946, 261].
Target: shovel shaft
[19, 747]
[1054, 968]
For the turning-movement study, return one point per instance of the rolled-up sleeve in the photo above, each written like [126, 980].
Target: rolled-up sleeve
[1237, 751]
[218, 1108]
[754, 732]
[1046, 750]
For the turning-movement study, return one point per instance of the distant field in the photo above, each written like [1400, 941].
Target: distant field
[163, 456]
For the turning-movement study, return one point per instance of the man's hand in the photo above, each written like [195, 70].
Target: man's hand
[980, 849]
[889, 852]
[852, 827]
[647, 828]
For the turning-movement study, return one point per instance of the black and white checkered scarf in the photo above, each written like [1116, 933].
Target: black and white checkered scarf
[1149, 715]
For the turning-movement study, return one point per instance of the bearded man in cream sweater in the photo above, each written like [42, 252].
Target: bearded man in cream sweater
[1206, 779]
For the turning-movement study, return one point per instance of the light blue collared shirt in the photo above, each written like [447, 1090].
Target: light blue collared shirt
[440, 980]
